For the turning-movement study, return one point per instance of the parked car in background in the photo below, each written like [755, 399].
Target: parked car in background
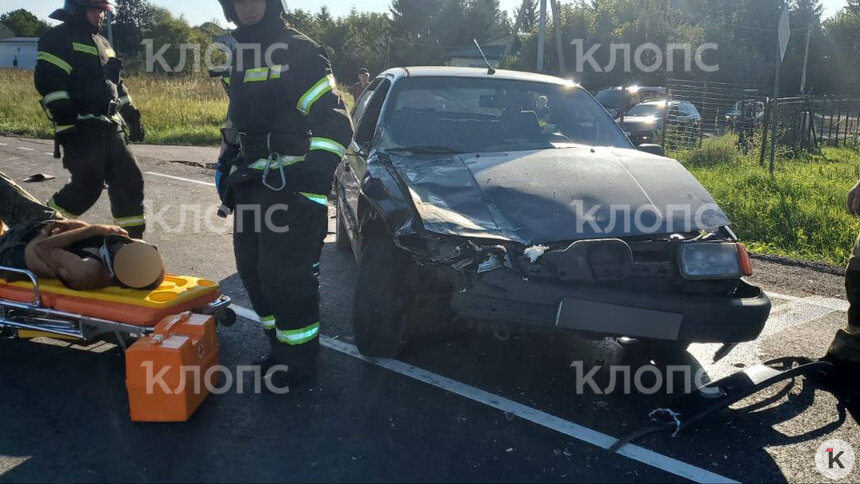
[618, 100]
[460, 204]
[745, 114]
[644, 122]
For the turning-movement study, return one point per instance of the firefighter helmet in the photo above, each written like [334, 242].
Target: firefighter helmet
[72, 7]
[273, 7]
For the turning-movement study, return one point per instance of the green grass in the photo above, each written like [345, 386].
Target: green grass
[176, 110]
[799, 212]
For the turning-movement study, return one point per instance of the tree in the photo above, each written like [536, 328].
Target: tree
[24, 24]
[134, 18]
[530, 15]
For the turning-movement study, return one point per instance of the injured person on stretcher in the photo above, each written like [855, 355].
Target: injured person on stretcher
[83, 257]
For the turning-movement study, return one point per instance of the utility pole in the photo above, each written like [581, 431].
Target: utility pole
[805, 60]
[517, 26]
[783, 36]
[559, 47]
[541, 36]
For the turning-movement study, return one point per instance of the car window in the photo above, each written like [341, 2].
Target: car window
[646, 110]
[366, 126]
[489, 114]
[362, 102]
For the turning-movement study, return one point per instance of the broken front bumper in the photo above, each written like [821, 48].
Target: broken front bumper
[505, 296]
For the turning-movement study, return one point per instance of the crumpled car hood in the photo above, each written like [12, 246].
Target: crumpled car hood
[558, 195]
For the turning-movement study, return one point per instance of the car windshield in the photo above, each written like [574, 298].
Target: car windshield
[469, 115]
[646, 110]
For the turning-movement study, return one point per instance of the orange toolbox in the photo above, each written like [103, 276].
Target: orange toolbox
[169, 372]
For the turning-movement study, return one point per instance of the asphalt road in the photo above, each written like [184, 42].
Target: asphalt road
[465, 406]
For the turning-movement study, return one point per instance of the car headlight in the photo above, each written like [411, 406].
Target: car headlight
[714, 261]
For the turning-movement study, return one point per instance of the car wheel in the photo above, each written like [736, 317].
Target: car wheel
[341, 236]
[380, 307]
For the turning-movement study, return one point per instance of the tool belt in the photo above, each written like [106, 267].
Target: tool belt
[257, 147]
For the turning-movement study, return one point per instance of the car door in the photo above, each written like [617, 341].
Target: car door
[354, 167]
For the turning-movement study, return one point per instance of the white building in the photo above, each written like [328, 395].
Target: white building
[24, 49]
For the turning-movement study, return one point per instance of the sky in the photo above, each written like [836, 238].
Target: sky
[199, 11]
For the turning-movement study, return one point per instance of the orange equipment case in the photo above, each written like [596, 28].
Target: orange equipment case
[168, 372]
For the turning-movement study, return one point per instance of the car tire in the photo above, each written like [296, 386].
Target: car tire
[379, 318]
[341, 236]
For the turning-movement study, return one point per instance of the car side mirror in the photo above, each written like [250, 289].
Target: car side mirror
[653, 149]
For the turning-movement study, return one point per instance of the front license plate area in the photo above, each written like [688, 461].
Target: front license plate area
[580, 315]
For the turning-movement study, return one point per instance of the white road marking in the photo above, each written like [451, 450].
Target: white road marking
[14, 158]
[23, 148]
[3, 144]
[533, 415]
[245, 313]
[49, 154]
[7, 463]
[189, 180]
[777, 295]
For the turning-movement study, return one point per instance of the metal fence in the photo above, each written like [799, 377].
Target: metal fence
[836, 120]
[719, 108]
[795, 123]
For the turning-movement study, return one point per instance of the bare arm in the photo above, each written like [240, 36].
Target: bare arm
[75, 272]
[67, 238]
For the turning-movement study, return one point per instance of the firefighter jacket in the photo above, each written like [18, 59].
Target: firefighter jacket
[79, 77]
[290, 122]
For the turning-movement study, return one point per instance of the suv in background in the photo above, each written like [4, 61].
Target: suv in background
[644, 122]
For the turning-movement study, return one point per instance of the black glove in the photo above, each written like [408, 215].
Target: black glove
[136, 131]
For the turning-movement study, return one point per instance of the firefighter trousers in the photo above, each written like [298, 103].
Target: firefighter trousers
[98, 154]
[19, 207]
[278, 239]
[846, 346]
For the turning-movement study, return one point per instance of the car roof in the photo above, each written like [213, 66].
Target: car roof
[443, 71]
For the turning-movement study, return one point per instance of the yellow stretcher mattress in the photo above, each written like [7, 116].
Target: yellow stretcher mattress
[142, 308]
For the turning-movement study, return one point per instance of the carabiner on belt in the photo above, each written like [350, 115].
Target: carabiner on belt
[273, 158]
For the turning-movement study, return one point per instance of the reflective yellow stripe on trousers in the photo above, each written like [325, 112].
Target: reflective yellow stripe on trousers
[301, 336]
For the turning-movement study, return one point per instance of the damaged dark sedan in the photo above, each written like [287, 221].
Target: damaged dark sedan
[515, 198]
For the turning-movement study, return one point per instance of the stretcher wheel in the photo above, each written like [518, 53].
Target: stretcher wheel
[226, 317]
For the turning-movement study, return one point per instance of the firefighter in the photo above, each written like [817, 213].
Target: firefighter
[290, 130]
[79, 76]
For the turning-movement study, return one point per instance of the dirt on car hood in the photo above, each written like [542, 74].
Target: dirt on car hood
[556, 195]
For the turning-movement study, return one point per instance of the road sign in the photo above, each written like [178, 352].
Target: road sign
[783, 31]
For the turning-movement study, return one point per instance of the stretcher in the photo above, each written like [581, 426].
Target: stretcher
[171, 326]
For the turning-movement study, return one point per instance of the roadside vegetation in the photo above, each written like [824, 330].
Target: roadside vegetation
[798, 213]
[180, 110]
